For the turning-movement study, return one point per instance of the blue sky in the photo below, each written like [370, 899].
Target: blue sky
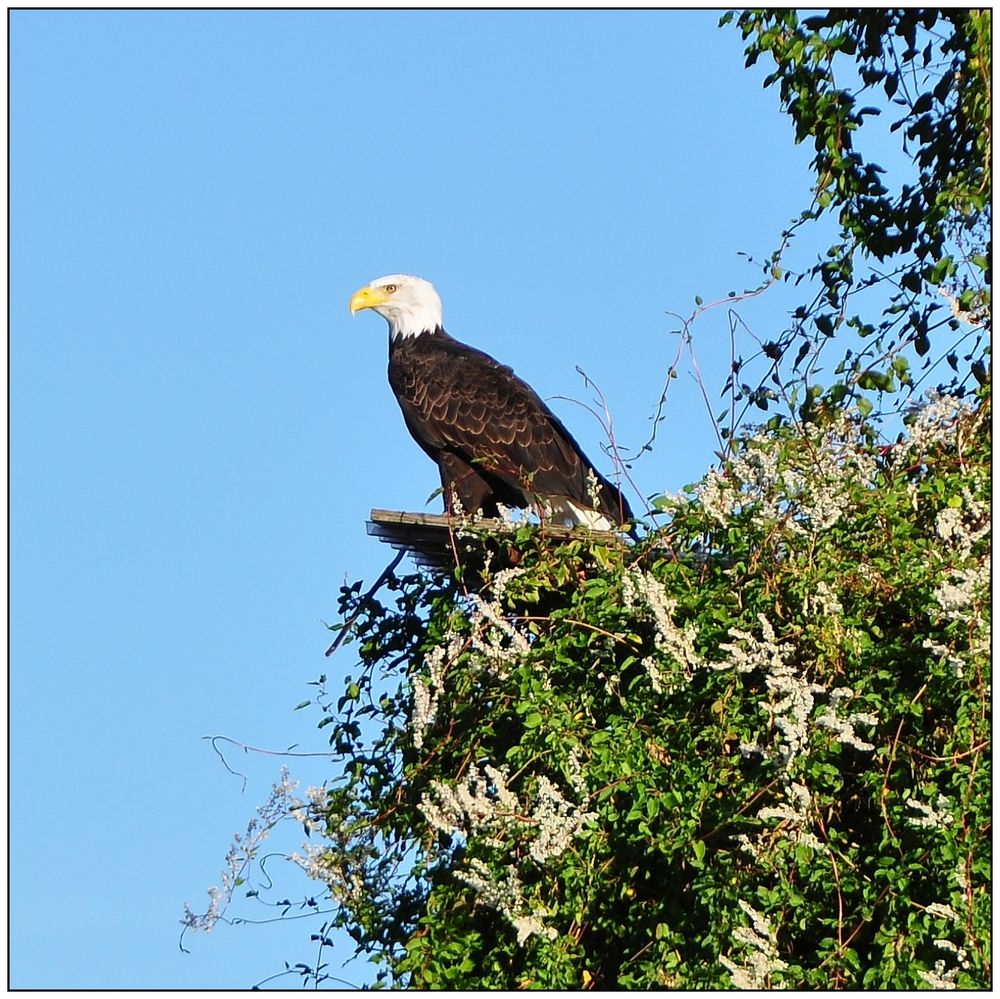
[199, 428]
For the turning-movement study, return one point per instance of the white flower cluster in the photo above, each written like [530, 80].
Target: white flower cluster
[593, 489]
[793, 821]
[806, 499]
[501, 580]
[323, 864]
[956, 594]
[760, 961]
[427, 689]
[513, 515]
[641, 591]
[791, 696]
[715, 496]
[495, 644]
[472, 807]
[979, 315]
[791, 700]
[839, 463]
[750, 479]
[484, 806]
[339, 863]
[943, 911]
[485, 809]
[824, 601]
[949, 526]
[508, 898]
[933, 426]
[961, 527]
[943, 977]
[926, 816]
[557, 822]
[963, 585]
[311, 813]
[242, 851]
[797, 809]
[830, 718]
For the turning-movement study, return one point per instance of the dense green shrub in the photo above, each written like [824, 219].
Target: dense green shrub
[751, 750]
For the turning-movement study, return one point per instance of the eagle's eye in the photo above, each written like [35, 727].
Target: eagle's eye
[390, 288]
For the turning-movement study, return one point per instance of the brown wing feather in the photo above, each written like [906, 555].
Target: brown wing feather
[458, 400]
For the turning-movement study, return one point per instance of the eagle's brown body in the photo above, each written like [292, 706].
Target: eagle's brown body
[493, 439]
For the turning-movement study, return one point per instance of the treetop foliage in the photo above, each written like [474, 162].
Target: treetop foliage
[751, 750]
[924, 239]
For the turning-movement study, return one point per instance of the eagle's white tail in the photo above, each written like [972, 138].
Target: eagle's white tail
[565, 511]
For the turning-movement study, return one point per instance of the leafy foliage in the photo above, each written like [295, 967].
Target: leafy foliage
[900, 249]
[752, 750]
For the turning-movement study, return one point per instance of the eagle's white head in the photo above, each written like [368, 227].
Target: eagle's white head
[409, 304]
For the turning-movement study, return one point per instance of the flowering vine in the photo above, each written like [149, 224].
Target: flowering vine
[749, 751]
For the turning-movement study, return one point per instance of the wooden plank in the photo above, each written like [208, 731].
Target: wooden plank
[448, 522]
[433, 539]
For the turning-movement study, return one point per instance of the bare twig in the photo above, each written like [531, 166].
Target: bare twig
[214, 739]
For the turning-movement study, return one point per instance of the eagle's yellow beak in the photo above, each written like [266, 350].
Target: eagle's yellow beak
[367, 298]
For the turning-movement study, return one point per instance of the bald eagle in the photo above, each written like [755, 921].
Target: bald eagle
[493, 439]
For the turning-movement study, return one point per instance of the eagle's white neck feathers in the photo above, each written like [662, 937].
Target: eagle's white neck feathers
[412, 308]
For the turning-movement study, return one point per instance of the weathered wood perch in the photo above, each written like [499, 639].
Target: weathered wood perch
[432, 539]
